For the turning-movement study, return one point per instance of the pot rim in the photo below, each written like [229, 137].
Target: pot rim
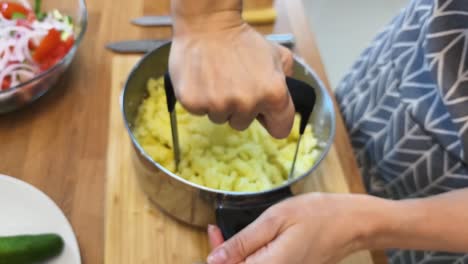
[325, 150]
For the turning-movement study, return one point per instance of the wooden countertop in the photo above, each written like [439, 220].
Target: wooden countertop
[59, 143]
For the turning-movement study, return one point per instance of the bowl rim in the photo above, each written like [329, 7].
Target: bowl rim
[71, 52]
[325, 150]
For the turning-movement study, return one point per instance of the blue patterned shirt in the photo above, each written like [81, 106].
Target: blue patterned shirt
[405, 104]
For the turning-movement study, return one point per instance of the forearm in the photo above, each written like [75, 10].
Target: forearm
[438, 223]
[190, 15]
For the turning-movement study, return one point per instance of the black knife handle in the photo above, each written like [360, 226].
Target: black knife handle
[302, 95]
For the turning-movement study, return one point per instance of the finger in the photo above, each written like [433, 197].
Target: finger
[219, 117]
[279, 123]
[193, 103]
[187, 85]
[279, 250]
[244, 114]
[215, 236]
[241, 121]
[287, 60]
[278, 111]
[220, 111]
[249, 240]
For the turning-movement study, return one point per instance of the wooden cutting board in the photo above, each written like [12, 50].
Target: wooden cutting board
[135, 232]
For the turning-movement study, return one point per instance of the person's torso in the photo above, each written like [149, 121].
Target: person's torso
[405, 104]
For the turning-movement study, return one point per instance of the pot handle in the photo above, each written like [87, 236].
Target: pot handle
[232, 218]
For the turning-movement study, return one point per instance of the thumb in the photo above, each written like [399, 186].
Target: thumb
[248, 241]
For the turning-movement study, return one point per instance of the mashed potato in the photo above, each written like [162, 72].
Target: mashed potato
[216, 156]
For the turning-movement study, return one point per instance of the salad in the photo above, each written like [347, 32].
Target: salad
[31, 41]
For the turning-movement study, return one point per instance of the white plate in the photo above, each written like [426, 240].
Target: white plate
[26, 210]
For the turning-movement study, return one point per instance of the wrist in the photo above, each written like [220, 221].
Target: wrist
[397, 224]
[205, 15]
[371, 221]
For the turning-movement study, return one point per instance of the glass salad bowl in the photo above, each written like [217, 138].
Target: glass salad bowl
[32, 81]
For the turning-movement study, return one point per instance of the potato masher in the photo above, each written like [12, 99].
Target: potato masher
[302, 94]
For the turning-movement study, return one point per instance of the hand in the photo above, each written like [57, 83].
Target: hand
[227, 70]
[312, 228]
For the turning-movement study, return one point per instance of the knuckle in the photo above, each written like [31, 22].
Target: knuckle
[288, 63]
[218, 105]
[191, 103]
[272, 217]
[245, 105]
[287, 55]
[247, 108]
[242, 246]
[277, 95]
[279, 213]
[238, 246]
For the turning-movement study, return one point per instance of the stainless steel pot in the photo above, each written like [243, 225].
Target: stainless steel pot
[198, 205]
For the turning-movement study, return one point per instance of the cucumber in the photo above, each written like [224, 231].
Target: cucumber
[28, 249]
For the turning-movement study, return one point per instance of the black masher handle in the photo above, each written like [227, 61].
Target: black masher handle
[303, 97]
[170, 96]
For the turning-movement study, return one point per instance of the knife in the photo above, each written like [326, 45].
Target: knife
[144, 46]
[150, 21]
[253, 17]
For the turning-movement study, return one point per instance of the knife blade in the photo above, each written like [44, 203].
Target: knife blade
[144, 46]
[136, 46]
[253, 17]
[151, 21]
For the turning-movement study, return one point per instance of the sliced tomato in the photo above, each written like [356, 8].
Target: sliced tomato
[57, 54]
[69, 43]
[47, 46]
[31, 45]
[6, 83]
[47, 64]
[51, 49]
[9, 8]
